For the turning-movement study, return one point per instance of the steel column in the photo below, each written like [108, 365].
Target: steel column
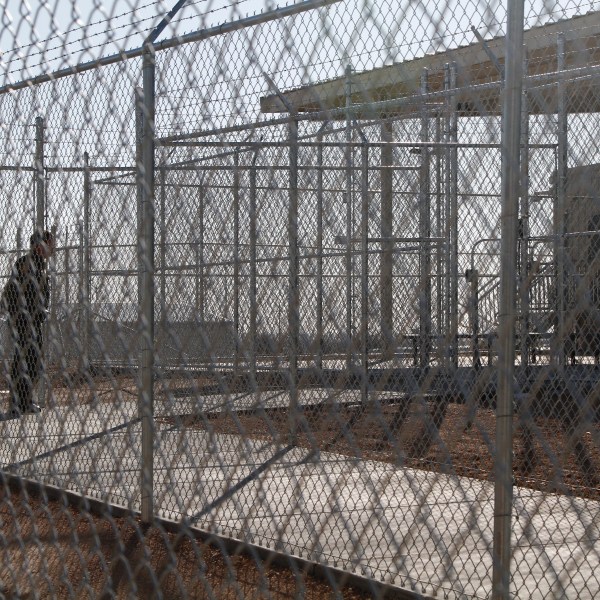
[387, 245]
[146, 266]
[560, 207]
[511, 142]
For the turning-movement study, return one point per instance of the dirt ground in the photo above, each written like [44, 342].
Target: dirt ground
[435, 436]
[51, 550]
[432, 436]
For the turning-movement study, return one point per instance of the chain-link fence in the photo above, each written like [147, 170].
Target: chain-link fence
[324, 289]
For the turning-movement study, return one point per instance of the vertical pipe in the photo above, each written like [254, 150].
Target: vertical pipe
[524, 223]
[450, 215]
[348, 200]
[453, 181]
[387, 245]
[511, 141]
[438, 230]
[146, 265]
[560, 207]
[364, 275]
[163, 249]
[67, 267]
[473, 279]
[200, 255]
[446, 212]
[294, 284]
[81, 286]
[319, 360]
[139, 128]
[86, 281]
[236, 254]
[40, 189]
[424, 294]
[252, 233]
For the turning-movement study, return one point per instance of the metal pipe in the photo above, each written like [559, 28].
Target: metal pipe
[146, 264]
[40, 189]
[201, 254]
[236, 255]
[86, 294]
[424, 292]
[387, 228]
[511, 142]
[560, 207]
[524, 224]
[319, 252]
[349, 215]
[180, 40]
[439, 253]
[453, 250]
[67, 267]
[294, 287]
[163, 249]
[364, 287]
[472, 276]
[252, 243]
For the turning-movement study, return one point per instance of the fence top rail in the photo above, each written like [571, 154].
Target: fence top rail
[180, 40]
[248, 146]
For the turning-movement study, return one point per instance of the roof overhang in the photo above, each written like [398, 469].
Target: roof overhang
[395, 89]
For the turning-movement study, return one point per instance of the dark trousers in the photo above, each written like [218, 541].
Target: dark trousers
[27, 361]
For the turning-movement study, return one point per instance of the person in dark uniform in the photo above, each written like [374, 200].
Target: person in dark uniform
[26, 298]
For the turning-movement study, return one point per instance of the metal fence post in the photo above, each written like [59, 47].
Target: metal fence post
[387, 245]
[451, 214]
[294, 291]
[424, 233]
[559, 209]
[319, 357]
[163, 251]
[86, 255]
[236, 254]
[524, 223]
[364, 279]
[252, 247]
[349, 216]
[511, 142]
[40, 188]
[146, 266]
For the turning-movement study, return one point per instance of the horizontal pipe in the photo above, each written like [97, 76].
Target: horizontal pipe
[196, 36]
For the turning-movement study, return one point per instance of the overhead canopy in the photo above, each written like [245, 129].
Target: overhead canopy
[395, 89]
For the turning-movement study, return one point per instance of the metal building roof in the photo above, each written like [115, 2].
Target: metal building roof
[395, 89]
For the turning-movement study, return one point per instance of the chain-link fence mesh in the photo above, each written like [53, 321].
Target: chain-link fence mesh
[300, 301]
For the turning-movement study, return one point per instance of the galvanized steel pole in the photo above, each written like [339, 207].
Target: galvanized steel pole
[294, 283]
[319, 357]
[524, 225]
[364, 278]
[252, 246]
[387, 245]
[86, 282]
[511, 141]
[424, 233]
[40, 189]
[236, 254]
[349, 218]
[146, 265]
[560, 207]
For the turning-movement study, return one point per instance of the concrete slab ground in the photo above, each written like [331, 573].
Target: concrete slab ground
[413, 528]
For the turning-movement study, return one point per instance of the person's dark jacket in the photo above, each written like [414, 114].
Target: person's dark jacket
[26, 294]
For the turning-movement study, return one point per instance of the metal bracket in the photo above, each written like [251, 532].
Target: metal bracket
[493, 58]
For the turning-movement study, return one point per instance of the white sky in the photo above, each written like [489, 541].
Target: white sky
[38, 36]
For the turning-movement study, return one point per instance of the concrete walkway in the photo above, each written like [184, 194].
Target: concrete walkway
[416, 529]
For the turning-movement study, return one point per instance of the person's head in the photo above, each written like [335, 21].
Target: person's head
[42, 243]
